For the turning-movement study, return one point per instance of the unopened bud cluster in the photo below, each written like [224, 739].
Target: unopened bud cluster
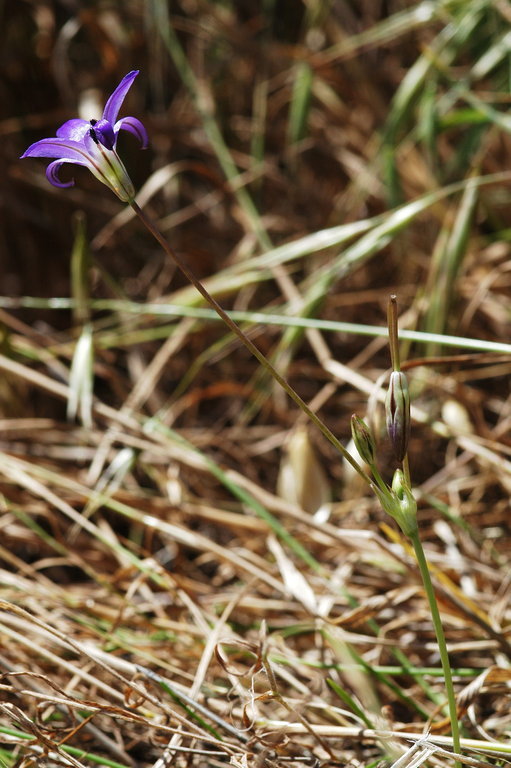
[397, 500]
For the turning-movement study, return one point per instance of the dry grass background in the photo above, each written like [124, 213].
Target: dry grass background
[164, 596]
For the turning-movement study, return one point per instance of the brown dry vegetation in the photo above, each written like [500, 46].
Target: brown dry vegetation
[190, 574]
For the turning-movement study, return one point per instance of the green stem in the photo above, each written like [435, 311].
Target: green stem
[185, 269]
[440, 636]
[406, 471]
[378, 479]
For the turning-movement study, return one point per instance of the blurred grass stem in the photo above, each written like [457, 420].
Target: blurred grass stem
[185, 269]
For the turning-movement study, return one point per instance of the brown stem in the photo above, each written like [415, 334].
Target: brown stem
[393, 332]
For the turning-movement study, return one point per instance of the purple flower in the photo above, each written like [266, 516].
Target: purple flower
[93, 144]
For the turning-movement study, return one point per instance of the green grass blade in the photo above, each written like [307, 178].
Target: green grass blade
[349, 701]
[300, 102]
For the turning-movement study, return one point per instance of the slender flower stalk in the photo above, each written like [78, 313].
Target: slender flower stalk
[440, 637]
[393, 333]
[248, 343]
[401, 504]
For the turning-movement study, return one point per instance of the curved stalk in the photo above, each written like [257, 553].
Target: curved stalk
[185, 269]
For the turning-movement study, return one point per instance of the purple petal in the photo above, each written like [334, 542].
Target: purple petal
[52, 174]
[135, 127]
[103, 132]
[114, 103]
[74, 129]
[62, 149]
[90, 146]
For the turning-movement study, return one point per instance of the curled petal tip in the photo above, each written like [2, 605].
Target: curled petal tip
[135, 127]
[53, 177]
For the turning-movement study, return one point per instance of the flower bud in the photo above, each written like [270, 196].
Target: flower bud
[405, 506]
[397, 411]
[363, 439]
[399, 503]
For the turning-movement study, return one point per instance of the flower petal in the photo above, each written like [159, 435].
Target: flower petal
[114, 103]
[74, 129]
[135, 127]
[52, 174]
[63, 149]
[91, 147]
